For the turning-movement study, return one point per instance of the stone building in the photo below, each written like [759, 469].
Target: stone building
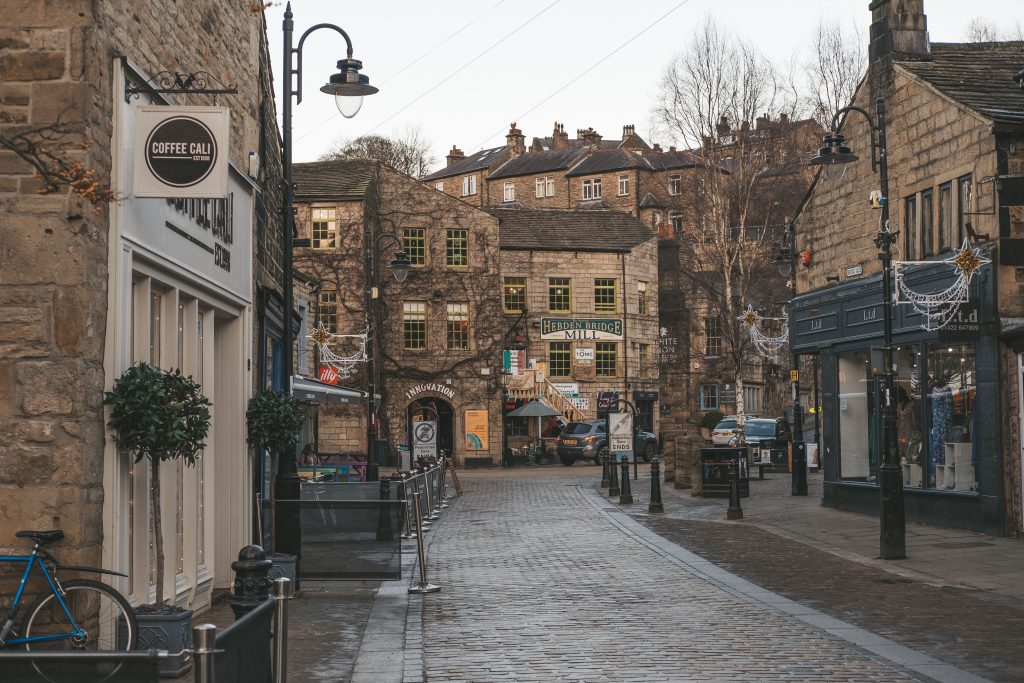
[88, 287]
[436, 336]
[955, 120]
[580, 291]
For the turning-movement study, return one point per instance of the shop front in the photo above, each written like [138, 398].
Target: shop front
[947, 400]
[464, 419]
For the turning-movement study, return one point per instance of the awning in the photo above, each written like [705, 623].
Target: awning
[312, 391]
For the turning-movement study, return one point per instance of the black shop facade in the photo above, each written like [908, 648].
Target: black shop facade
[947, 398]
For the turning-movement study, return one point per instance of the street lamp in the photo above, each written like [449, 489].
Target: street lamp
[798, 481]
[833, 155]
[399, 266]
[505, 379]
[346, 86]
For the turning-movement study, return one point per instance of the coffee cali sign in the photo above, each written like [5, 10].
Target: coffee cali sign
[181, 151]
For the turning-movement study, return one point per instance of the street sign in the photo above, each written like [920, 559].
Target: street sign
[424, 439]
[620, 433]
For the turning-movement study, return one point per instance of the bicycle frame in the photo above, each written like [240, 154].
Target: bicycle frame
[54, 583]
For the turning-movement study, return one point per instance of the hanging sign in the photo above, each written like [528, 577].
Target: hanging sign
[424, 439]
[328, 375]
[620, 433]
[181, 152]
[476, 430]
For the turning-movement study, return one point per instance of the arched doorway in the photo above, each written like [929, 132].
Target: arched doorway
[432, 408]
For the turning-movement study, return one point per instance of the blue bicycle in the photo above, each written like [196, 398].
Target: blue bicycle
[77, 614]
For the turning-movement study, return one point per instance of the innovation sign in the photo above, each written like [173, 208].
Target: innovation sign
[581, 328]
[181, 152]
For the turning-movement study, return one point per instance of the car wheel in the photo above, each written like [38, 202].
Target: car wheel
[650, 450]
[567, 461]
[602, 455]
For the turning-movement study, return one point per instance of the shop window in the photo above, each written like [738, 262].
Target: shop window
[559, 294]
[859, 420]
[329, 311]
[457, 248]
[709, 397]
[910, 430]
[951, 413]
[414, 325]
[414, 242]
[325, 229]
[605, 359]
[514, 295]
[945, 217]
[604, 295]
[712, 337]
[559, 359]
[458, 327]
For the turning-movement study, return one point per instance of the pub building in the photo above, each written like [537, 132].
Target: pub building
[954, 119]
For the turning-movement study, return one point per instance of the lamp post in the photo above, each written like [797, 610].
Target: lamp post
[834, 156]
[348, 87]
[505, 378]
[399, 266]
[798, 481]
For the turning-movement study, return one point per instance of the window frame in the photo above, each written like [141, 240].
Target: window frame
[927, 211]
[623, 185]
[642, 304]
[331, 228]
[561, 361]
[417, 315]
[713, 346]
[452, 250]
[602, 351]
[327, 310]
[606, 306]
[439, 185]
[539, 188]
[963, 182]
[506, 296]
[509, 192]
[675, 184]
[549, 186]
[415, 246]
[945, 231]
[912, 237]
[565, 282]
[468, 185]
[644, 359]
[457, 327]
[592, 188]
[705, 404]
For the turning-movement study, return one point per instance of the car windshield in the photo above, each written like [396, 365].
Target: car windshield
[726, 424]
[759, 428]
[576, 428]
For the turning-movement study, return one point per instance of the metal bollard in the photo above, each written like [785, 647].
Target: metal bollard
[626, 496]
[423, 586]
[252, 580]
[734, 511]
[604, 473]
[438, 496]
[421, 497]
[204, 639]
[431, 515]
[403, 495]
[384, 530]
[655, 504]
[283, 592]
[613, 475]
[443, 497]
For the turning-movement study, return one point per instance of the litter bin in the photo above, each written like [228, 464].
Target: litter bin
[714, 471]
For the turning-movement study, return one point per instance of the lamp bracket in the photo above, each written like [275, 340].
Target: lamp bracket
[168, 82]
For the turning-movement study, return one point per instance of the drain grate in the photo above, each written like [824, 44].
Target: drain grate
[964, 544]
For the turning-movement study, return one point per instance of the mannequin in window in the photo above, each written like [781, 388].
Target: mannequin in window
[941, 397]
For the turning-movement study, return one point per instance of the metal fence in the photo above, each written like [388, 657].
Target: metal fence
[244, 647]
[81, 667]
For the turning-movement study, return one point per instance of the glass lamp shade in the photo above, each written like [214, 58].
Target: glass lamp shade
[834, 156]
[400, 266]
[349, 87]
[348, 105]
[834, 172]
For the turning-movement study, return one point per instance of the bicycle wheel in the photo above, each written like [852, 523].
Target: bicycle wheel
[106, 618]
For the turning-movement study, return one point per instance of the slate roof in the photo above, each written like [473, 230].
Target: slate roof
[607, 161]
[474, 162]
[538, 162]
[569, 230]
[978, 75]
[667, 161]
[339, 179]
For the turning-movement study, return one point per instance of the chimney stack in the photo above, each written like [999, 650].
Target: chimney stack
[516, 141]
[559, 139]
[455, 156]
[899, 28]
[628, 130]
[722, 129]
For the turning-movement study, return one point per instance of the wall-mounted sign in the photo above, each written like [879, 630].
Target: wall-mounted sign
[328, 375]
[424, 439]
[476, 430]
[181, 151]
[571, 389]
[443, 389]
[584, 355]
[606, 400]
[581, 403]
[581, 328]
[854, 271]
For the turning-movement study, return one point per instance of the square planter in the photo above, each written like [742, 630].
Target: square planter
[171, 632]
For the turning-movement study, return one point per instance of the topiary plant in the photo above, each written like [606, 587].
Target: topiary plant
[711, 420]
[273, 420]
[158, 415]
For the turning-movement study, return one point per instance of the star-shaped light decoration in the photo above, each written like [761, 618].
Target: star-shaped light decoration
[750, 316]
[968, 260]
[320, 335]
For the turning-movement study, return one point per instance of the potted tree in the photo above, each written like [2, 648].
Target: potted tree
[161, 416]
[708, 422]
[273, 420]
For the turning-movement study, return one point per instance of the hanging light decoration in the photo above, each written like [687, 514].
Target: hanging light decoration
[939, 308]
[343, 365]
[766, 345]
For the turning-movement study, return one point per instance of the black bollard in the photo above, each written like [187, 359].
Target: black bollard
[384, 529]
[613, 475]
[655, 504]
[734, 511]
[626, 497]
[604, 473]
[252, 580]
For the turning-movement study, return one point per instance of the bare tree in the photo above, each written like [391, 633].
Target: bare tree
[834, 70]
[740, 192]
[980, 30]
[408, 152]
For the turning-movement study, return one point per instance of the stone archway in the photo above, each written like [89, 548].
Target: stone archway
[429, 408]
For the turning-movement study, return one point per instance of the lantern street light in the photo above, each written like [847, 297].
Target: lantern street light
[834, 156]
[348, 87]
[787, 255]
[505, 379]
[399, 266]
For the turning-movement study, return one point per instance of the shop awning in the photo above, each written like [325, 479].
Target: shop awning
[312, 391]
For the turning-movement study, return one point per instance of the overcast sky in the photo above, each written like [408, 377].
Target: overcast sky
[462, 70]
